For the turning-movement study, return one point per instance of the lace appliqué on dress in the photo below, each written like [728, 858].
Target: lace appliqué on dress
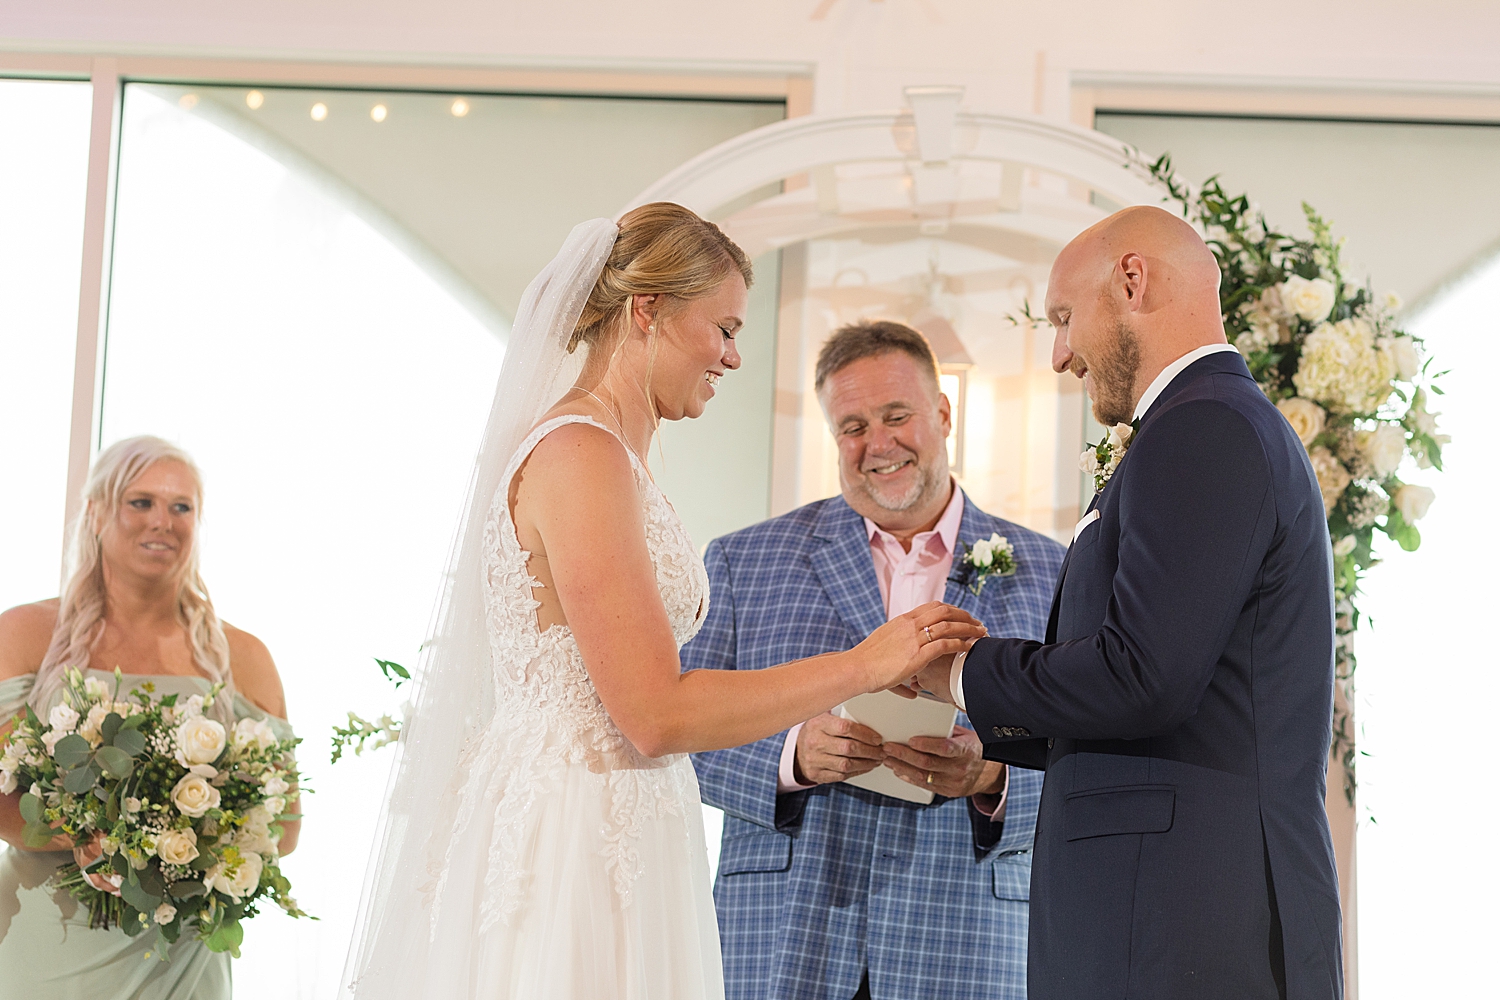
[549, 717]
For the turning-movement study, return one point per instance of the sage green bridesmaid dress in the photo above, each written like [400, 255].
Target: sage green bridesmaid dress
[48, 951]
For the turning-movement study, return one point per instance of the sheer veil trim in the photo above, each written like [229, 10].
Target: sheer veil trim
[455, 697]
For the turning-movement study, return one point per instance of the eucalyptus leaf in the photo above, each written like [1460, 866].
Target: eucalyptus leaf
[38, 835]
[31, 808]
[133, 722]
[130, 740]
[116, 762]
[130, 922]
[111, 725]
[71, 751]
[227, 937]
[80, 780]
[151, 880]
[187, 889]
[120, 863]
[136, 895]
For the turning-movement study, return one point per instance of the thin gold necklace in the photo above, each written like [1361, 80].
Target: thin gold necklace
[624, 438]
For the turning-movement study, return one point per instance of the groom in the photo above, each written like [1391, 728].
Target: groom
[826, 890]
[1181, 701]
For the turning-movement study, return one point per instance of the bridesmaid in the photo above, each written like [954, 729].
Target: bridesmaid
[134, 601]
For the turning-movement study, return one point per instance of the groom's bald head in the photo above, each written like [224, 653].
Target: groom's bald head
[1128, 296]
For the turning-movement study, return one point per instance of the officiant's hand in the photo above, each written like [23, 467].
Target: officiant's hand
[956, 765]
[831, 749]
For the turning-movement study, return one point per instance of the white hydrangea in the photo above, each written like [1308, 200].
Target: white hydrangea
[1333, 478]
[1382, 448]
[1344, 369]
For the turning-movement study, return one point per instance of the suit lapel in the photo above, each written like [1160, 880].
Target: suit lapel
[970, 530]
[1062, 574]
[844, 567]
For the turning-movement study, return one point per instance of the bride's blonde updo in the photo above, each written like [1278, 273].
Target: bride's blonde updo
[662, 249]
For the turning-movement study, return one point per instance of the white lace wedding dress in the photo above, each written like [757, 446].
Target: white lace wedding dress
[576, 866]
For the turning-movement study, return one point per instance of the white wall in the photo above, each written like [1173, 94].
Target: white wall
[1012, 55]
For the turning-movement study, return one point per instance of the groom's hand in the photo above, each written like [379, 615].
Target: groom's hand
[957, 764]
[831, 749]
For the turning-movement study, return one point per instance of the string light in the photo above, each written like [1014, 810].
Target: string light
[254, 99]
[319, 111]
[378, 113]
[459, 107]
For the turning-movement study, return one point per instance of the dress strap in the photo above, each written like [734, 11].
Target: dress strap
[541, 430]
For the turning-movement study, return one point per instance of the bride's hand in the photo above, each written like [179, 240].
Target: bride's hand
[86, 855]
[901, 647]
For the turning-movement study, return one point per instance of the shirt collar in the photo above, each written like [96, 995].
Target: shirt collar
[947, 525]
[1172, 371]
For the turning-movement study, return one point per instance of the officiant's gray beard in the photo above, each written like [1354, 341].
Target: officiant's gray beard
[1112, 377]
[929, 480]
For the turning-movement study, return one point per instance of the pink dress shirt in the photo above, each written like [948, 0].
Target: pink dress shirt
[908, 579]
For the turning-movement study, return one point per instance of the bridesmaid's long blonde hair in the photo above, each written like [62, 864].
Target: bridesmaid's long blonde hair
[80, 615]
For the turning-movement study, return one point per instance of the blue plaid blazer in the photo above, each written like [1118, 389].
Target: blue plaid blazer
[815, 888]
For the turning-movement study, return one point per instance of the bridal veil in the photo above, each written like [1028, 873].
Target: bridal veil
[394, 935]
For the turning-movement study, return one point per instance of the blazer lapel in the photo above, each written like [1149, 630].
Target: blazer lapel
[958, 594]
[844, 567]
[1062, 574]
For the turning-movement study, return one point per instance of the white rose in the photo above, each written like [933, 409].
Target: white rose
[177, 847]
[255, 733]
[275, 805]
[90, 728]
[1413, 501]
[193, 796]
[1119, 437]
[191, 708]
[7, 782]
[1383, 448]
[1305, 416]
[1089, 461]
[1404, 353]
[982, 554]
[165, 913]
[63, 718]
[255, 840]
[200, 740]
[1333, 478]
[241, 882]
[276, 786]
[1312, 300]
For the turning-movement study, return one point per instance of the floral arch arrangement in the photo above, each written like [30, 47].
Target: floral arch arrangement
[1355, 388]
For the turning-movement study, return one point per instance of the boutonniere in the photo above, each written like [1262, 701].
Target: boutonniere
[1102, 459]
[992, 556]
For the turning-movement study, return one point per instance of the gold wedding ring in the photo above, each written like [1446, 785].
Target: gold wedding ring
[928, 630]
[929, 777]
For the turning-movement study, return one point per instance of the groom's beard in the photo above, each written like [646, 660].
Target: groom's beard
[927, 481]
[1112, 378]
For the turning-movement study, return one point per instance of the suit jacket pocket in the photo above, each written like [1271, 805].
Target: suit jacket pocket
[1012, 876]
[1105, 812]
[756, 852]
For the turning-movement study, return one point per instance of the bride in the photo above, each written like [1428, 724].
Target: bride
[543, 835]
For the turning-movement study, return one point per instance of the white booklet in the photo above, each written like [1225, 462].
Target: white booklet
[897, 720]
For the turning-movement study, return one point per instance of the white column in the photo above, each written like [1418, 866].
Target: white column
[93, 294]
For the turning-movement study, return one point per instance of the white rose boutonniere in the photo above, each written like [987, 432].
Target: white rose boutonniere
[1102, 459]
[987, 557]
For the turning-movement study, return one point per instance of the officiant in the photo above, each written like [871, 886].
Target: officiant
[825, 888]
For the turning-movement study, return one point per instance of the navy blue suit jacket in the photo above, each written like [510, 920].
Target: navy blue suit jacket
[1181, 706]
